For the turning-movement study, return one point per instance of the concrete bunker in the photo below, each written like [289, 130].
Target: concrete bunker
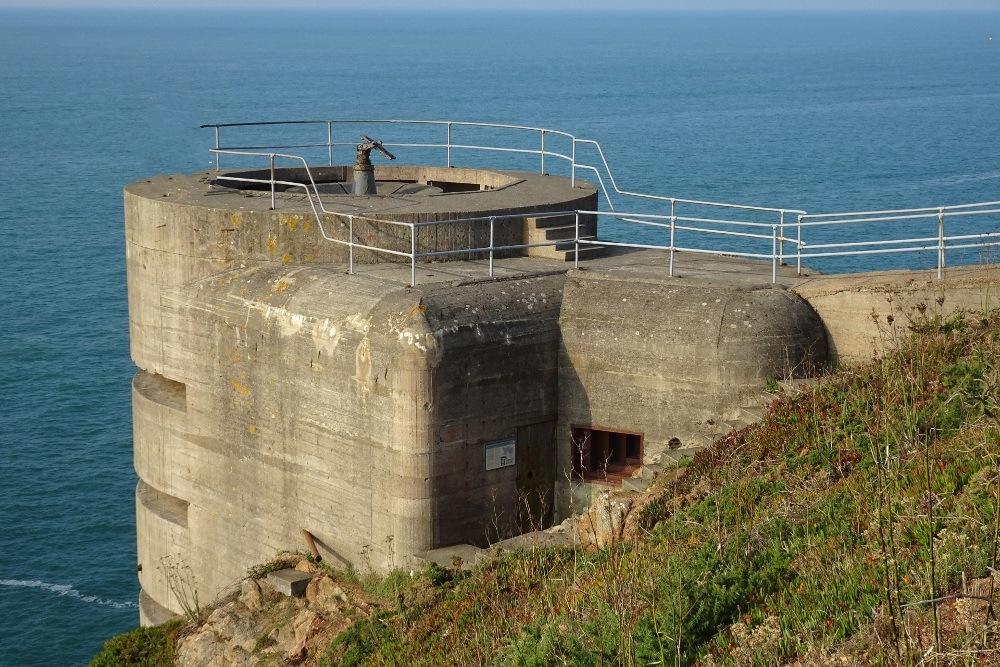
[279, 393]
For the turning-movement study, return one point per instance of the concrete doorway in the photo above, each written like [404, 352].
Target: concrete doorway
[535, 475]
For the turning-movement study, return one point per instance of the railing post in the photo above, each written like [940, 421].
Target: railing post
[781, 240]
[774, 254]
[576, 243]
[572, 178]
[798, 247]
[673, 224]
[413, 255]
[492, 220]
[543, 151]
[350, 245]
[449, 144]
[329, 142]
[217, 146]
[272, 181]
[940, 243]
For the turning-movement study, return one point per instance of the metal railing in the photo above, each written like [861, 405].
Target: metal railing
[934, 239]
[449, 145]
[709, 228]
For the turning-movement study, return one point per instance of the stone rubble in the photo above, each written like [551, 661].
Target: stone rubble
[260, 626]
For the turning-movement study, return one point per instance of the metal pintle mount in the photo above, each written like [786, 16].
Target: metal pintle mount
[364, 172]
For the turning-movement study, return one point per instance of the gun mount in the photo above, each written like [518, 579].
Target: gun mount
[364, 172]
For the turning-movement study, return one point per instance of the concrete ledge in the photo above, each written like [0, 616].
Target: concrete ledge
[290, 582]
[161, 390]
[163, 505]
[446, 556]
[152, 612]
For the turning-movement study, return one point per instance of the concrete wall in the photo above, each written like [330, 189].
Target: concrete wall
[673, 361]
[497, 377]
[856, 309]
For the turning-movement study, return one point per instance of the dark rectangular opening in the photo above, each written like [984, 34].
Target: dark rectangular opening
[453, 186]
[605, 456]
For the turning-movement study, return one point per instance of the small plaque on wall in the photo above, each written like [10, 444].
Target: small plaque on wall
[500, 453]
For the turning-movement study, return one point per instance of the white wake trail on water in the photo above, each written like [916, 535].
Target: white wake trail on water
[68, 591]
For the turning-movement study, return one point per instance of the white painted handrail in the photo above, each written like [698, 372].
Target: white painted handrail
[698, 230]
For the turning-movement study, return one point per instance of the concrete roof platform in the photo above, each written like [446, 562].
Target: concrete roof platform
[503, 191]
[618, 263]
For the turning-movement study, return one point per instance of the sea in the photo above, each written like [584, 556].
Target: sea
[823, 112]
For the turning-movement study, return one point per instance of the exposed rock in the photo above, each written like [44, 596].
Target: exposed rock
[297, 654]
[603, 524]
[251, 595]
[260, 626]
[305, 566]
[325, 592]
[202, 649]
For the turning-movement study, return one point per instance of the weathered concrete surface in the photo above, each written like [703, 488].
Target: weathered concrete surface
[863, 314]
[354, 409]
[672, 358]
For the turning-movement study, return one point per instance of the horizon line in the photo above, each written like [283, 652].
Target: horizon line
[408, 8]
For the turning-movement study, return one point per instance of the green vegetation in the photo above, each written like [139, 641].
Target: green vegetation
[142, 647]
[261, 571]
[826, 529]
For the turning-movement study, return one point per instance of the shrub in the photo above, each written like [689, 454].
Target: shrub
[142, 647]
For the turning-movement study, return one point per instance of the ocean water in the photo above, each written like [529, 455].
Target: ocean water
[826, 112]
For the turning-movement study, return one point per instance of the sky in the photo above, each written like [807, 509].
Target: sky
[535, 5]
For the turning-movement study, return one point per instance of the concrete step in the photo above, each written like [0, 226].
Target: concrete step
[587, 251]
[566, 251]
[562, 233]
[561, 228]
[554, 221]
[557, 234]
[643, 479]
[637, 484]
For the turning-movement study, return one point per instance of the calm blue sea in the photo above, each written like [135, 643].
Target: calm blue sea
[825, 112]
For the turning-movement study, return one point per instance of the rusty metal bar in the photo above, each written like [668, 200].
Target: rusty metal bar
[311, 543]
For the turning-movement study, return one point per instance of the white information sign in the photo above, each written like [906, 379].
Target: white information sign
[500, 453]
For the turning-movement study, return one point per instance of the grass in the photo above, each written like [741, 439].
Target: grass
[822, 530]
